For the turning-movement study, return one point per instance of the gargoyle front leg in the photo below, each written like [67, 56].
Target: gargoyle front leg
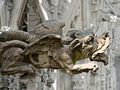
[79, 68]
[70, 68]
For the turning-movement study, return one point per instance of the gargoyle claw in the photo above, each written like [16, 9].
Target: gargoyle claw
[95, 68]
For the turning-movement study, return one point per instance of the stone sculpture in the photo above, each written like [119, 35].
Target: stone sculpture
[43, 47]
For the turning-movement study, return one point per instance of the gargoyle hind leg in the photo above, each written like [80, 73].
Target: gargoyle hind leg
[13, 62]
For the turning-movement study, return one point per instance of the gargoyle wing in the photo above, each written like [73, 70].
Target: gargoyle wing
[43, 50]
[44, 44]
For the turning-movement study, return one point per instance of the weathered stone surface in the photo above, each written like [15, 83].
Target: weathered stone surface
[80, 14]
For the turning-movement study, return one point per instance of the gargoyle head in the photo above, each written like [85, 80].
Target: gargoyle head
[87, 45]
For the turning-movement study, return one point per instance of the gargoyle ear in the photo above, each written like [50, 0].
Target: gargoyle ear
[75, 43]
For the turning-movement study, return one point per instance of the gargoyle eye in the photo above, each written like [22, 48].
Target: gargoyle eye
[89, 40]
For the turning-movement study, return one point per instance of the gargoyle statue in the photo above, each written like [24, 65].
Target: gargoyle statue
[25, 52]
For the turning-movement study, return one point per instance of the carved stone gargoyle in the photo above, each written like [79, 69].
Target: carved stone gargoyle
[43, 47]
